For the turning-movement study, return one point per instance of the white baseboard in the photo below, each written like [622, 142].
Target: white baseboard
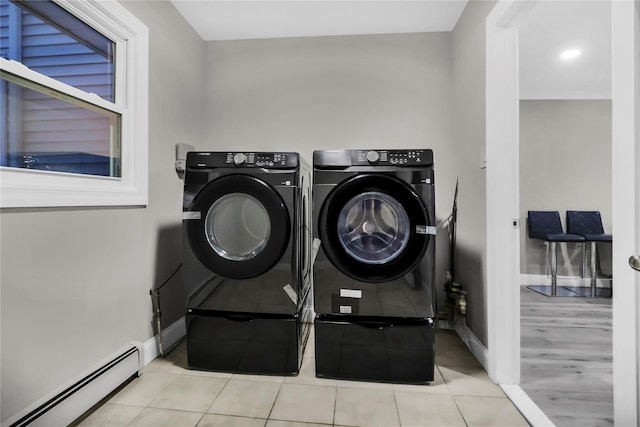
[168, 338]
[68, 402]
[472, 342]
[541, 279]
[526, 406]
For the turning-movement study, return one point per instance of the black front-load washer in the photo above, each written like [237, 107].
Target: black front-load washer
[246, 261]
[374, 293]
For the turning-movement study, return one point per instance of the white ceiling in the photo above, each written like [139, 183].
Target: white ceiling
[549, 27]
[234, 20]
[554, 26]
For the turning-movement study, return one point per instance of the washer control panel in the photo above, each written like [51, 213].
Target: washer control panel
[219, 159]
[391, 157]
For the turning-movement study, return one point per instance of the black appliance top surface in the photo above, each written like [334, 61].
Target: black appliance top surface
[236, 159]
[373, 157]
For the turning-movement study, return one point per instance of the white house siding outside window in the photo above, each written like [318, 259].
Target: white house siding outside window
[74, 104]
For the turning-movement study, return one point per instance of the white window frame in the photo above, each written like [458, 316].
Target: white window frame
[35, 188]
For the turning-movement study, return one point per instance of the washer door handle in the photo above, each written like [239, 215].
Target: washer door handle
[634, 262]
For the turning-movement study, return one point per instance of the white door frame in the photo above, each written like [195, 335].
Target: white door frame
[502, 134]
[503, 192]
[626, 211]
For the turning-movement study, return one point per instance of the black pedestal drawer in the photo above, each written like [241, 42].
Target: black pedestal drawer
[245, 344]
[383, 349]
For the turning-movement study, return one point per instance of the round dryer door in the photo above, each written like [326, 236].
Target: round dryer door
[244, 226]
[371, 227]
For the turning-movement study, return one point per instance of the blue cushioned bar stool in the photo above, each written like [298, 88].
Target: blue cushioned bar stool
[588, 224]
[546, 225]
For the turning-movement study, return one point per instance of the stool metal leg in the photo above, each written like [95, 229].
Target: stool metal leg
[583, 270]
[593, 269]
[553, 263]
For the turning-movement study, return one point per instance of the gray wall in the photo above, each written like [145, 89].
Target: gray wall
[303, 94]
[469, 132]
[565, 164]
[75, 282]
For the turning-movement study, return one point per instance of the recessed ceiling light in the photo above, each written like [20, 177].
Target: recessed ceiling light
[570, 54]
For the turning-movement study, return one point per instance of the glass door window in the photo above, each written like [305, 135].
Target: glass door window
[237, 227]
[240, 228]
[373, 228]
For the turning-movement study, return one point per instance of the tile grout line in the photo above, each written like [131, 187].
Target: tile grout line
[273, 405]
[200, 419]
[147, 406]
[395, 400]
[455, 402]
[217, 395]
[335, 404]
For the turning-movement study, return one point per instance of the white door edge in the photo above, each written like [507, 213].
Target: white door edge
[503, 238]
[626, 211]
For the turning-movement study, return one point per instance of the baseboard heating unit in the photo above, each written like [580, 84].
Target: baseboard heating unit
[66, 404]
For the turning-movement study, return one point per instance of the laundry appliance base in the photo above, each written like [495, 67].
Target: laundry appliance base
[237, 343]
[381, 350]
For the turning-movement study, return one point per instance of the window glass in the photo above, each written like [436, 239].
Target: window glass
[74, 104]
[373, 228]
[51, 41]
[237, 226]
[49, 131]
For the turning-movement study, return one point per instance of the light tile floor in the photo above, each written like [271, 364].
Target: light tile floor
[169, 394]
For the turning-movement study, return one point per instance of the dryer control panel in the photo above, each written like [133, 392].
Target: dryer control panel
[373, 157]
[221, 159]
[391, 157]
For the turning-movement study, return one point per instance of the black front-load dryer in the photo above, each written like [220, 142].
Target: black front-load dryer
[246, 261]
[374, 293]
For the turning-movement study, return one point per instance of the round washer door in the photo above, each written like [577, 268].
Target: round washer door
[243, 229]
[369, 227]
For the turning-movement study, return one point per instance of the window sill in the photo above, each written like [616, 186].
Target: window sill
[31, 188]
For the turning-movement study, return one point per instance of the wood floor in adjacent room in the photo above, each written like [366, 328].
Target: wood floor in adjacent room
[566, 359]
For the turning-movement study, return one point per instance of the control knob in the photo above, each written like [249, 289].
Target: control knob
[239, 158]
[372, 156]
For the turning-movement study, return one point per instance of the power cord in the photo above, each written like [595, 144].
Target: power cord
[155, 299]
